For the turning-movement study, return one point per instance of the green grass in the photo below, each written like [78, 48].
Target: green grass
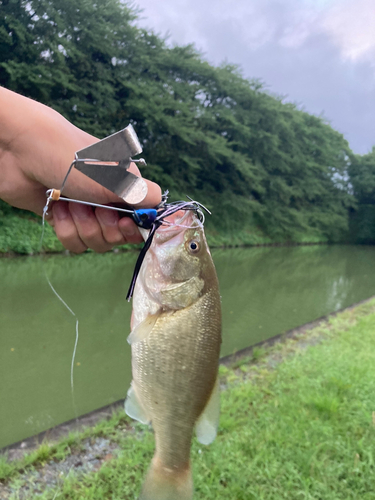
[304, 429]
[20, 233]
[111, 429]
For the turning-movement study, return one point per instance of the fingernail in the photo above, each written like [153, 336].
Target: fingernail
[82, 212]
[60, 211]
[137, 193]
[107, 217]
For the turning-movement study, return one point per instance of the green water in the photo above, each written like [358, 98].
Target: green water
[265, 291]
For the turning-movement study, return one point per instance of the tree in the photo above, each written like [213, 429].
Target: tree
[362, 179]
[258, 163]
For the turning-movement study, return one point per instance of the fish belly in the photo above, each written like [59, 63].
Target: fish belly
[174, 372]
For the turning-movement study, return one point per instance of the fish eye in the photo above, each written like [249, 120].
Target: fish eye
[193, 246]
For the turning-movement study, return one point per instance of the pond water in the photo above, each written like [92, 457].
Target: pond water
[265, 291]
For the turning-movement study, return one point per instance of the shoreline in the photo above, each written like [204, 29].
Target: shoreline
[67, 253]
[18, 449]
[317, 382]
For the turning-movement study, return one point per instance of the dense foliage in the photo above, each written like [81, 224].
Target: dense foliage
[268, 171]
[362, 178]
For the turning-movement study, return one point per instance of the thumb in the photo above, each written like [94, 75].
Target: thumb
[147, 194]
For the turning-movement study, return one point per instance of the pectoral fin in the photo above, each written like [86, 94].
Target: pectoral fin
[208, 422]
[134, 408]
[142, 331]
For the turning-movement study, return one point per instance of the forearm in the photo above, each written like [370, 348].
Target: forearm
[14, 116]
[37, 146]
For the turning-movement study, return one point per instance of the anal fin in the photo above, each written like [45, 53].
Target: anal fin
[134, 408]
[208, 423]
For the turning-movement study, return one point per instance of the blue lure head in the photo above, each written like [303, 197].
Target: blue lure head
[145, 217]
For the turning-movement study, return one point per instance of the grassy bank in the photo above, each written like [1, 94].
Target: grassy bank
[298, 422]
[20, 233]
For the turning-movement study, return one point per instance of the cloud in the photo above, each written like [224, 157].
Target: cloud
[256, 22]
[318, 53]
[351, 25]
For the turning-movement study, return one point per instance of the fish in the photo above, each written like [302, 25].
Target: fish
[175, 341]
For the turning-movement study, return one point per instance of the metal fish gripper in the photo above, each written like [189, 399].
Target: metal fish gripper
[107, 163]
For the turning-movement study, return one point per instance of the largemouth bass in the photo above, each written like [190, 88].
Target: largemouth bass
[175, 341]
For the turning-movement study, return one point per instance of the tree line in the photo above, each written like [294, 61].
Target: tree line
[268, 170]
[362, 214]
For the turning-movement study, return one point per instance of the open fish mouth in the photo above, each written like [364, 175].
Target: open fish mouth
[176, 224]
[178, 218]
[171, 224]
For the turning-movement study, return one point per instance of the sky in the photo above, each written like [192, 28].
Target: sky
[319, 54]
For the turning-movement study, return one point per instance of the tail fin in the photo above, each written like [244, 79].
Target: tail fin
[162, 483]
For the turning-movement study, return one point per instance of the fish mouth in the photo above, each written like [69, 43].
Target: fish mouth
[177, 219]
[175, 225]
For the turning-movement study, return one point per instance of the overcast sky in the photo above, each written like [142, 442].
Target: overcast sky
[318, 53]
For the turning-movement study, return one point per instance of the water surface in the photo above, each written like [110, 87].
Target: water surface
[265, 291]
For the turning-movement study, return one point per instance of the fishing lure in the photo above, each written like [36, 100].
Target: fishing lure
[107, 163]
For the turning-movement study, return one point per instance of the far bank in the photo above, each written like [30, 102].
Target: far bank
[20, 234]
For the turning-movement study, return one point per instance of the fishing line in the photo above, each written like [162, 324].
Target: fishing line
[45, 209]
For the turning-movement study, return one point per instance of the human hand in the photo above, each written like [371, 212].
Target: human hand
[37, 146]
